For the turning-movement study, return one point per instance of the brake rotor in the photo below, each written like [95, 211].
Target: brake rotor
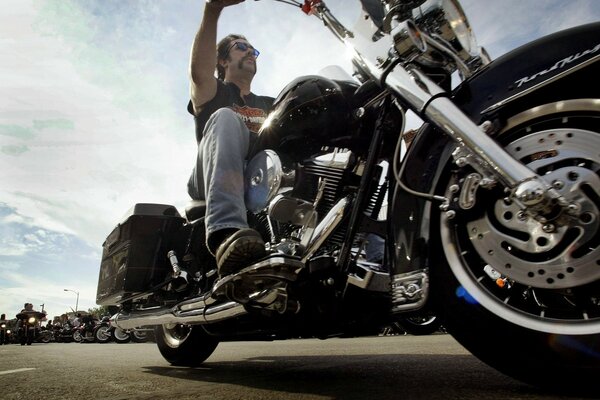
[562, 253]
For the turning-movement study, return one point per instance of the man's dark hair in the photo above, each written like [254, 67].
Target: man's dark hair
[222, 48]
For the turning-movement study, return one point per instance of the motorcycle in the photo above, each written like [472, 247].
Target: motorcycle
[85, 333]
[28, 323]
[102, 331]
[45, 335]
[492, 216]
[64, 333]
[4, 332]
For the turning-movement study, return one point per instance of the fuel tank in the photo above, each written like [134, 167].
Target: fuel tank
[309, 113]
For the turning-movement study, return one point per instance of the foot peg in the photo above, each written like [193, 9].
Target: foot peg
[262, 284]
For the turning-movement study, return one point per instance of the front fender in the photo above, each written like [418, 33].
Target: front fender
[550, 66]
[560, 66]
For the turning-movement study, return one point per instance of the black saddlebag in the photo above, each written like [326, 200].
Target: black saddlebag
[134, 256]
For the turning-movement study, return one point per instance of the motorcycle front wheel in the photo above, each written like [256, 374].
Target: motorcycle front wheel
[520, 294]
[45, 338]
[184, 345]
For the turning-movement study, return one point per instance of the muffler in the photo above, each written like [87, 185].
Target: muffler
[193, 311]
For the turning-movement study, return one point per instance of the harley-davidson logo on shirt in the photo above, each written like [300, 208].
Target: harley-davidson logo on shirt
[252, 117]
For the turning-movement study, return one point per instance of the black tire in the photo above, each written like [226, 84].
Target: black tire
[184, 345]
[77, 336]
[102, 334]
[45, 338]
[419, 325]
[533, 333]
[120, 336]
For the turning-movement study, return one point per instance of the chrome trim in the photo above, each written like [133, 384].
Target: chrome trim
[410, 290]
[492, 158]
[176, 315]
[525, 92]
[326, 227]
[262, 179]
[373, 280]
[551, 108]
[460, 64]
[376, 57]
[408, 40]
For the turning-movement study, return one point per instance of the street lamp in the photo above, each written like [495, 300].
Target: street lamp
[77, 302]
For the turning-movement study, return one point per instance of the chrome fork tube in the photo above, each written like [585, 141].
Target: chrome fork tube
[425, 97]
[443, 113]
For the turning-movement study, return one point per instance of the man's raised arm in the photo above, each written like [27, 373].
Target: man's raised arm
[203, 57]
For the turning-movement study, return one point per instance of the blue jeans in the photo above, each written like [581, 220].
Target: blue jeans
[218, 177]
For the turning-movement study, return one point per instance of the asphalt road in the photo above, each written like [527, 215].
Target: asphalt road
[389, 367]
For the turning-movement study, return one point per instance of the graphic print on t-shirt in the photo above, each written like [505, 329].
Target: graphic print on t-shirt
[252, 117]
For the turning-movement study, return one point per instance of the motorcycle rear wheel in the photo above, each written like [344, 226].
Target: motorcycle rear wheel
[139, 336]
[102, 334]
[540, 325]
[120, 336]
[184, 345]
[419, 326]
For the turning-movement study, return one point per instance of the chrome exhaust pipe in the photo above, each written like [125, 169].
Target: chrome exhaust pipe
[193, 311]
[326, 227]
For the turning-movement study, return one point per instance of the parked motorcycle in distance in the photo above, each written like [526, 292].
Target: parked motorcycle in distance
[4, 330]
[84, 333]
[418, 325]
[102, 331]
[28, 326]
[126, 336]
[119, 335]
[493, 218]
[45, 336]
[64, 333]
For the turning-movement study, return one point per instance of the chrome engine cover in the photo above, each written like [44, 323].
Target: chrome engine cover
[262, 180]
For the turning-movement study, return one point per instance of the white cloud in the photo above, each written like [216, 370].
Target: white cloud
[32, 289]
[80, 180]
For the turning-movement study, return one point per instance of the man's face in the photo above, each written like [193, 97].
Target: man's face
[241, 57]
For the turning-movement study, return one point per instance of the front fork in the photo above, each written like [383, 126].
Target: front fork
[536, 197]
[387, 59]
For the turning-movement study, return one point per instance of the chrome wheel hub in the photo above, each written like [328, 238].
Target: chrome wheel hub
[561, 253]
[543, 275]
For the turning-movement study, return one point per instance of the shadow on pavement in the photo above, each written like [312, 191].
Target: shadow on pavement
[364, 377]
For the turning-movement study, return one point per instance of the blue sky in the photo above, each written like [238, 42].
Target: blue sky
[93, 118]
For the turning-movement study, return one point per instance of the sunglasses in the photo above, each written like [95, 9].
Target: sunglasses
[243, 47]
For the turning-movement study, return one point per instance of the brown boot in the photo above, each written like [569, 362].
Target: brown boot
[239, 250]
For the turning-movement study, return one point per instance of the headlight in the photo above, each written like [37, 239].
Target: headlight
[8, 331]
[446, 19]
[31, 320]
[460, 25]
[3, 326]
